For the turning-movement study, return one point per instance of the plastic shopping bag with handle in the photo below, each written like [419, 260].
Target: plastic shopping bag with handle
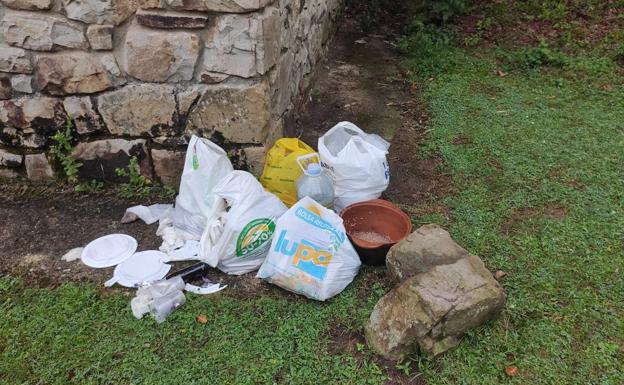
[238, 242]
[310, 253]
[356, 162]
[281, 170]
[205, 165]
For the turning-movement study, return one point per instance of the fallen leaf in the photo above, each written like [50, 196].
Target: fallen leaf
[499, 274]
[511, 371]
[202, 319]
[500, 73]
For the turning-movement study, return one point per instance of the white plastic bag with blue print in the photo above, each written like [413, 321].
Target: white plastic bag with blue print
[310, 253]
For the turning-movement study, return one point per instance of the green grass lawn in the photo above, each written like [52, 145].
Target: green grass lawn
[538, 176]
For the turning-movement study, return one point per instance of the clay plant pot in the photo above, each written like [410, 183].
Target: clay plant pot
[374, 227]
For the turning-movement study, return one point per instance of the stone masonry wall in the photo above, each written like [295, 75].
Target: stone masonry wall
[138, 77]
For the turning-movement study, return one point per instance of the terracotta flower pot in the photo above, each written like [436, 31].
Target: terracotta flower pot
[374, 227]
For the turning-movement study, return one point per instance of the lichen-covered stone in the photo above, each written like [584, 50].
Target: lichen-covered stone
[102, 11]
[140, 110]
[168, 165]
[433, 309]
[235, 6]
[81, 110]
[161, 56]
[22, 83]
[15, 60]
[38, 168]
[29, 5]
[425, 248]
[100, 37]
[76, 72]
[239, 112]
[9, 159]
[100, 158]
[242, 45]
[42, 32]
[26, 122]
[171, 20]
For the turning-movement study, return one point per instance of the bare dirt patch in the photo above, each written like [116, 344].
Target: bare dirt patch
[549, 211]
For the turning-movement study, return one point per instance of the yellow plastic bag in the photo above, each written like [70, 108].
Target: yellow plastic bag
[281, 170]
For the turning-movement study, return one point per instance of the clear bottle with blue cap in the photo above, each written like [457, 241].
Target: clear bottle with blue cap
[315, 183]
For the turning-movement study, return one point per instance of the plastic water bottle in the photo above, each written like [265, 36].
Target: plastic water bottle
[316, 185]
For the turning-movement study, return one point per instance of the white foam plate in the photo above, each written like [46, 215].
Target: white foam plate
[140, 268]
[109, 250]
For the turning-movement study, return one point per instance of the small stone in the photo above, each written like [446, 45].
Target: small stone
[29, 5]
[42, 32]
[161, 56]
[6, 91]
[100, 158]
[37, 167]
[8, 159]
[81, 110]
[425, 248]
[239, 112]
[254, 159]
[168, 165]
[100, 37]
[233, 6]
[171, 20]
[213, 77]
[76, 72]
[22, 83]
[202, 319]
[511, 371]
[499, 274]
[140, 110]
[15, 60]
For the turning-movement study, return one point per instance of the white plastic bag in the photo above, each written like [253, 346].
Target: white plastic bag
[246, 229]
[356, 162]
[310, 253]
[205, 165]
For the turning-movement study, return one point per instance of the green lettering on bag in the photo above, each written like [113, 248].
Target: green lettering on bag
[254, 237]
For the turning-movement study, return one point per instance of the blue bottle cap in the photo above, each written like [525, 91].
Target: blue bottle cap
[314, 169]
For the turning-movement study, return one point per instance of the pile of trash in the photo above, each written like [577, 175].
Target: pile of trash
[286, 225]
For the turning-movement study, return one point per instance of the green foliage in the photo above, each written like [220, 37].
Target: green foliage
[137, 185]
[429, 49]
[443, 10]
[89, 187]
[62, 149]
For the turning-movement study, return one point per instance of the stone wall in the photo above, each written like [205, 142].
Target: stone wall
[138, 77]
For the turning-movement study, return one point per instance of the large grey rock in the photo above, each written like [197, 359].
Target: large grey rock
[101, 158]
[22, 83]
[161, 56]
[242, 45]
[42, 32]
[241, 113]
[102, 11]
[168, 165]
[171, 20]
[27, 122]
[234, 6]
[425, 248]
[76, 72]
[9, 159]
[100, 37]
[15, 60]
[81, 110]
[29, 5]
[140, 110]
[432, 310]
[37, 167]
